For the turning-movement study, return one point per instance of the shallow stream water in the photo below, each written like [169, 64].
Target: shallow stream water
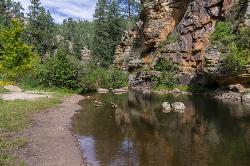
[138, 133]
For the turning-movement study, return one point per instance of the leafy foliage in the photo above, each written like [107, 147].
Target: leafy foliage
[108, 28]
[168, 80]
[130, 10]
[60, 71]
[243, 39]
[223, 34]
[72, 31]
[10, 10]
[172, 38]
[233, 45]
[236, 60]
[96, 77]
[168, 76]
[16, 57]
[40, 29]
[165, 65]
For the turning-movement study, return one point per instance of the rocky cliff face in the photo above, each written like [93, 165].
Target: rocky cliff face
[177, 30]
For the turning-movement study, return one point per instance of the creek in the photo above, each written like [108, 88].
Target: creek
[139, 133]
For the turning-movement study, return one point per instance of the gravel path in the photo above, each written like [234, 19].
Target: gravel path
[51, 142]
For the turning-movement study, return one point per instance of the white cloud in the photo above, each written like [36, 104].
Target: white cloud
[61, 9]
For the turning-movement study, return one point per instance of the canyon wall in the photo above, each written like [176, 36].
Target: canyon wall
[176, 30]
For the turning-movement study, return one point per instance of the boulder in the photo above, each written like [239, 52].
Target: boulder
[120, 91]
[175, 92]
[166, 107]
[178, 107]
[237, 88]
[100, 90]
[246, 97]
[146, 91]
[227, 95]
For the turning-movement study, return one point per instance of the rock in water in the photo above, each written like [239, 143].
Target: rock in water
[178, 107]
[166, 107]
[120, 91]
[237, 88]
[175, 92]
[100, 90]
[227, 95]
[246, 97]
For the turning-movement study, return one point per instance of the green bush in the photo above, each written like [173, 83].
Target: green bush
[164, 65]
[236, 60]
[243, 39]
[234, 48]
[16, 58]
[97, 77]
[168, 78]
[61, 70]
[172, 38]
[223, 34]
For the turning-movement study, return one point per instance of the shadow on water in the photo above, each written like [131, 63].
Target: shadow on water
[209, 132]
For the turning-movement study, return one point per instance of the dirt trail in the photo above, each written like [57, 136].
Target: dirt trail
[50, 140]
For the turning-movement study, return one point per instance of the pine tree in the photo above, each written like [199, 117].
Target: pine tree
[47, 39]
[115, 26]
[40, 28]
[131, 10]
[10, 10]
[100, 50]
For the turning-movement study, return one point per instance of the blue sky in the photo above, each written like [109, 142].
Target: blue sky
[61, 9]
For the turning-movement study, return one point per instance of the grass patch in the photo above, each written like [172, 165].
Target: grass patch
[15, 117]
[185, 88]
[194, 88]
[161, 87]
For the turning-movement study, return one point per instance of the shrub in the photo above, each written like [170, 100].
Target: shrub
[236, 60]
[165, 66]
[223, 34]
[172, 38]
[16, 58]
[96, 77]
[168, 78]
[234, 48]
[61, 70]
[243, 39]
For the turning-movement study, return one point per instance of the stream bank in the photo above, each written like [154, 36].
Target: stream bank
[51, 142]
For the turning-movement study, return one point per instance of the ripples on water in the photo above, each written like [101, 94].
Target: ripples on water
[138, 133]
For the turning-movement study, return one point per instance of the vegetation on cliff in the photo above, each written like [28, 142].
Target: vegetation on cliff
[233, 44]
[168, 78]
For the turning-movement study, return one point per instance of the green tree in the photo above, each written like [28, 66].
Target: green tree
[9, 10]
[71, 34]
[16, 57]
[130, 9]
[101, 35]
[85, 33]
[108, 28]
[61, 70]
[115, 27]
[40, 29]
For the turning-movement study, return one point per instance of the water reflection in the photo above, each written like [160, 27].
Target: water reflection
[210, 132]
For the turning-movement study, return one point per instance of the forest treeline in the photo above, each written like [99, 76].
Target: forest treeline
[37, 51]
